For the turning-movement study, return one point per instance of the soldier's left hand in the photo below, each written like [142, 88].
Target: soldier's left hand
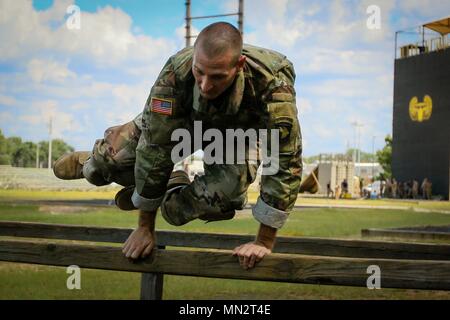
[250, 253]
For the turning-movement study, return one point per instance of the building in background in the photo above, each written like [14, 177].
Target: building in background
[421, 115]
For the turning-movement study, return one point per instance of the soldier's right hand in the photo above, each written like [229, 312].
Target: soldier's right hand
[140, 243]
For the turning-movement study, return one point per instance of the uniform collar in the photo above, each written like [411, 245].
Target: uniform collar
[231, 102]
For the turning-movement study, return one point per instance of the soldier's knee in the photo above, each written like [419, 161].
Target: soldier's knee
[93, 173]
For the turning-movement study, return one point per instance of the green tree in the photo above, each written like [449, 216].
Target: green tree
[15, 152]
[59, 147]
[12, 144]
[364, 156]
[24, 155]
[384, 157]
[5, 158]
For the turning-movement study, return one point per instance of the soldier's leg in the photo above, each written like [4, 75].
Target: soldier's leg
[111, 160]
[113, 157]
[211, 197]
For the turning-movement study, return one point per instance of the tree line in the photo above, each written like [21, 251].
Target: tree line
[18, 153]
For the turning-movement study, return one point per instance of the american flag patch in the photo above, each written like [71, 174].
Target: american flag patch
[163, 106]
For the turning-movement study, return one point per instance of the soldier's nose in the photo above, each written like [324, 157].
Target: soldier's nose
[205, 86]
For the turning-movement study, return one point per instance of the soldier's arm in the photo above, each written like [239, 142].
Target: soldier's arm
[279, 190]
[153, 159]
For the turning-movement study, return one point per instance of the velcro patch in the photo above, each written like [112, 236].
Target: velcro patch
[282, 96]
[163, 106]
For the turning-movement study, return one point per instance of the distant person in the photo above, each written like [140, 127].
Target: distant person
[337, 192]
[329, 190]
[408, 190]
[382, 186]
[374, 194]
[344, 186]
[401, 190]
[415, 189]
[428, 190]
[361, 187]
[394, 188]
[423, 188]
[388, 189]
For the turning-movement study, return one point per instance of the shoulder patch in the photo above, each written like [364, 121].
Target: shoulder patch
[163, 106]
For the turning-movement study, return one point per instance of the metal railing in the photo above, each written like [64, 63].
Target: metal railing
[422, 47]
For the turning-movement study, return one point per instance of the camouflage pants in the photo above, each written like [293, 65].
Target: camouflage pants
[113, 157]
[222, 188]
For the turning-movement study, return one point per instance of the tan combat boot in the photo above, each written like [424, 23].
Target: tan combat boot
[70, 166]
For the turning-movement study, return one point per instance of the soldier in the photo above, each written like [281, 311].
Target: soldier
[415, 189]
[224, 85]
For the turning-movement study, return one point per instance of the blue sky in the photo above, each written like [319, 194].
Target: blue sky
[100, 75]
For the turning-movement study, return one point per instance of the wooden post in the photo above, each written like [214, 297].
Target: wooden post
[152, 284]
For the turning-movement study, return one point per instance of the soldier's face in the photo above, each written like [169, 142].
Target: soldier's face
[214, 76]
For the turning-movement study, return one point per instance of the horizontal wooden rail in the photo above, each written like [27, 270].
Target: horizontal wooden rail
[405, 234]
[276, 267]
[297, 245]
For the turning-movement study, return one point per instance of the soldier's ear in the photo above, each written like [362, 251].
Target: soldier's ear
[241, 61]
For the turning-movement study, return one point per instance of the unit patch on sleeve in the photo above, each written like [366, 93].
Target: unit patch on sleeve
[163, 106]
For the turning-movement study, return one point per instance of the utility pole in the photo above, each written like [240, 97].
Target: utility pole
[37, 155]
[360, 125]
[356, 152]
[373, 158]
[354, 124]
[50, 145]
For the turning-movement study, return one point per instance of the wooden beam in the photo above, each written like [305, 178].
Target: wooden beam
[405, 234]
[410, 274]
[298, 245]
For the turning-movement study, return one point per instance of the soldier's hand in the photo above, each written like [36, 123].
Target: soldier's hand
[250, 253]
[140, 243]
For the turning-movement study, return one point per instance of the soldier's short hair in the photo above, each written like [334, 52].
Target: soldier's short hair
[219, 38]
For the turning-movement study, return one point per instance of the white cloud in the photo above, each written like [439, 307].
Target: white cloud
[105, 36]
[48, 70]
[180, 33]
[45, 110]
[6, 100]
[304, 106]
[439, 9]
[6, 117]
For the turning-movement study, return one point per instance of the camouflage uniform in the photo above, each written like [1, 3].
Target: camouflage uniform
[261, 97]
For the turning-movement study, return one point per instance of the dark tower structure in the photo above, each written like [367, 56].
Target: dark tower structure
[421, 120]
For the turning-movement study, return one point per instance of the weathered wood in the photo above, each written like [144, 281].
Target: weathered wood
[405, 234]
[276, 267]
[300, 245]
[63, 232]
[152, 284]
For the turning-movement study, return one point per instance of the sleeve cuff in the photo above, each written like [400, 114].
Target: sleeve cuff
[268, 215]
[144, 203]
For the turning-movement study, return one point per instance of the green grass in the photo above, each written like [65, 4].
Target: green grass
[22, 281]
[11, 194]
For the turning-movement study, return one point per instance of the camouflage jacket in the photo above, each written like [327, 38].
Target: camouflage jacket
[262, 96]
